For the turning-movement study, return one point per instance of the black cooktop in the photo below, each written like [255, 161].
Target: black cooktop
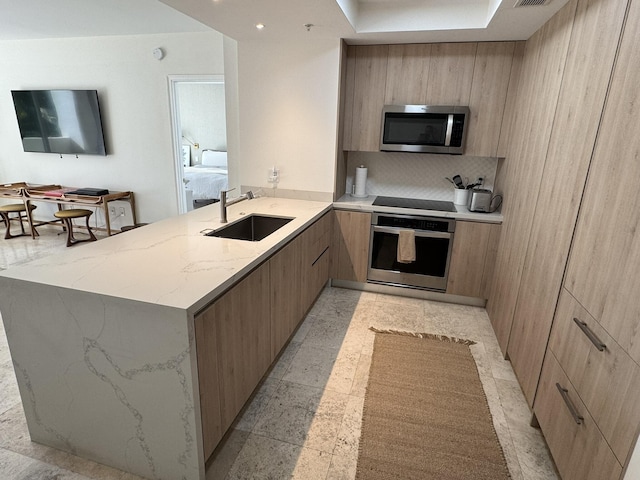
[416, 203]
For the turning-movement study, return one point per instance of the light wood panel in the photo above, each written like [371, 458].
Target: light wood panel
[490, 260]
[605, 257]
[450, 73]
[349, 79]
[489, 86]
[594, 40]
[368, 99]
[242, 317]
[351, 245]
[287, 308]
[407, 74]
[510, 102]
[579, 450]
[208, 381]
[607, 381]
[541, 77]
[316, 242]
[468, 258]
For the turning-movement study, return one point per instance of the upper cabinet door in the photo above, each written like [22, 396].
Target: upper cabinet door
[364, 121]
[408, 74]
[451, 73]
[489, 88]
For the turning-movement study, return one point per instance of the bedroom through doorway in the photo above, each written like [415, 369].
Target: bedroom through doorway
[198, 116]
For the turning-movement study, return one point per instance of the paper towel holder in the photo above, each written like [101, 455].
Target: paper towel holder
[358, 189]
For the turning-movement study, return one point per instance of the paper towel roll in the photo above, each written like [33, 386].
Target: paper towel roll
[361, 182]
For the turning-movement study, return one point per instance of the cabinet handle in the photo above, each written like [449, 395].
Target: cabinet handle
[565, 396]
[590, 335]
[319, 256]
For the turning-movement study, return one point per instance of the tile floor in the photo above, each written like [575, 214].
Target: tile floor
[304, 419]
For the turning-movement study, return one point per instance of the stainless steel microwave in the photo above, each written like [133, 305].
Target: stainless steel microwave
[424, 128]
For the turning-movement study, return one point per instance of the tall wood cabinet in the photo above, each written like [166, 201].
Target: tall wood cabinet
[546, 174]
[587, 404]
[472, 74]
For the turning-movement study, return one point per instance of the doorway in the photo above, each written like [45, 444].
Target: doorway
[198, 120]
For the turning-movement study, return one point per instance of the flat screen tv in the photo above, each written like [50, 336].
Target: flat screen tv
[60, 121]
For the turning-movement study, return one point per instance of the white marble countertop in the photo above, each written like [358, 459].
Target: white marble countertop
[347, 202]
[170, 262]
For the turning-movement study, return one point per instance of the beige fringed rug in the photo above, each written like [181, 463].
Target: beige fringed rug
[426, 414]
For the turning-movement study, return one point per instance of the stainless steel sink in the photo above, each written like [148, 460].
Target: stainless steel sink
[252, 228]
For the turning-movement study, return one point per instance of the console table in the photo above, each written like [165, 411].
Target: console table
[28, 193]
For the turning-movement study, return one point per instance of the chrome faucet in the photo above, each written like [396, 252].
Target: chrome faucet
[224, 203]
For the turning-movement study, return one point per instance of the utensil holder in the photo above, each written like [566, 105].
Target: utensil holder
[461, 196]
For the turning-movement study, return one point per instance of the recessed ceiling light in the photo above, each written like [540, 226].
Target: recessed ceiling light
[259, 26]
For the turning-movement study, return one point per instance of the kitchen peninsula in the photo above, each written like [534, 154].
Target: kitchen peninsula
[103, 337]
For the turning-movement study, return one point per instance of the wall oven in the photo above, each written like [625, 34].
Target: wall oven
[434, 240]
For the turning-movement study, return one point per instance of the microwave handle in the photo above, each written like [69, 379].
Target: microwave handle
[447, 139]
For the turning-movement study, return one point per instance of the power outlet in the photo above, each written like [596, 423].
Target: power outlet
[112, 211]
[273, 175]
[122, 212]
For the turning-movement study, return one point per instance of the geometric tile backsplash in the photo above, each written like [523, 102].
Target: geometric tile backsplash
[418, 175]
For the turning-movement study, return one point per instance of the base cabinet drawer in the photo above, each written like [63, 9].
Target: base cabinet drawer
[605, 377]
[577, 446]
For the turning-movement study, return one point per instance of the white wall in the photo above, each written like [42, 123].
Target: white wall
[288, 113]
[133, 91]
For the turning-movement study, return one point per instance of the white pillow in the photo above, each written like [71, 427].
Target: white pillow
[212, 158]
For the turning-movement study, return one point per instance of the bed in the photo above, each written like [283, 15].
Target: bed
[208, 179]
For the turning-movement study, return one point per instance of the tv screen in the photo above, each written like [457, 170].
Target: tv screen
[59, 121]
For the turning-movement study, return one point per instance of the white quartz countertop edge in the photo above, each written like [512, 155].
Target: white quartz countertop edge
[347, 202]
[170, 262]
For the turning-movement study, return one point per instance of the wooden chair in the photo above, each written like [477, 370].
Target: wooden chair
[19, 208]
[67, 217]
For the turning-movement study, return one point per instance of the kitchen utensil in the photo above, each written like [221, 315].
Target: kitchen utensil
[452, 182]
[457, 180]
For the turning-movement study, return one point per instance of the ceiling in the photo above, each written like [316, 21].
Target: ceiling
[357, 21]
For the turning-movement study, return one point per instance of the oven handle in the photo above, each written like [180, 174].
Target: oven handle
[419, 233]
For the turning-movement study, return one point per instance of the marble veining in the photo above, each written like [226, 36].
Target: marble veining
[174, 364]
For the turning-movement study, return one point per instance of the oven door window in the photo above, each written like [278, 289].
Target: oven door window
[431, 255]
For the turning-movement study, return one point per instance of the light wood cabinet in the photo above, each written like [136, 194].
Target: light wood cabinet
[350, 245]
[232, 339]
[243, 327]
[363, 119]
[207, 354]
[316, 261]
[605, 257]
[474, 74]
[579, 449]
[592, 349]
[287, 307]
[547, 174]
[241, 333]
[606, 379]
[472, 258]
[489, 89]
[299, 271]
